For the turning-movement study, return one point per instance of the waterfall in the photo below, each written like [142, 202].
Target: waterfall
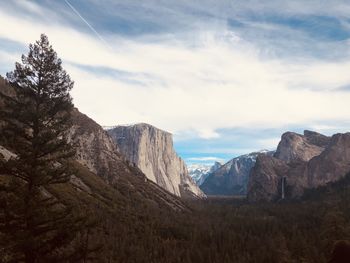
[283, 182]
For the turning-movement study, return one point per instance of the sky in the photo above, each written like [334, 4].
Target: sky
[225, 77]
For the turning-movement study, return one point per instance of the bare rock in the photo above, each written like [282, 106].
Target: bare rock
[151, 150]
[265, 178]
[5, 154]
[316, 138]
[295, 147]
[96, 150]
[332, 164]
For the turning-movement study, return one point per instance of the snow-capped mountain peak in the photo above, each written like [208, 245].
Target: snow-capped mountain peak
[199, 172]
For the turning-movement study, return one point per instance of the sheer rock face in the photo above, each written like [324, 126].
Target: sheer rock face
[332, 164]
[96, 150]
[264, 183]
[232, 177]
[304, 167]
[151, 150]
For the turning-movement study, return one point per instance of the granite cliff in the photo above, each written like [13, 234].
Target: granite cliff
[151, 150]
[300, 162]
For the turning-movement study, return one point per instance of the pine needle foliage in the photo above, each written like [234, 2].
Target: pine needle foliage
[36, 227]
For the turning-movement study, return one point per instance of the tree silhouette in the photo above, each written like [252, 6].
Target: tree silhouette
[36, 226]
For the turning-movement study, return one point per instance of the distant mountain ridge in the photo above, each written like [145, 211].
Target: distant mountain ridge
[199, 172]
[232, 177]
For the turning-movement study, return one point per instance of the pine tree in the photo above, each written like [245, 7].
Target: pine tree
[34, 225]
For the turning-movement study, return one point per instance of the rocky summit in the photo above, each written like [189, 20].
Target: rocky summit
[296, 147]
[152, 151]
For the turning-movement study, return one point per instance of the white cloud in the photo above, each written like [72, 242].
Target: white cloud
[222, 81]
[205, 159]
[208, 134]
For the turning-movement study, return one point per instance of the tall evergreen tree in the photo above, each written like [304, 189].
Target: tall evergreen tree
[35, 226]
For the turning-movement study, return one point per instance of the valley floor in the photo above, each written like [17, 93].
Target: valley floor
[232, 230]
[222, 230]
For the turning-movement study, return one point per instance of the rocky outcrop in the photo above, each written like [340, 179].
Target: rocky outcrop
[295, 147]
[96, 150]
[308, 161]
[316, 138]
[332, 164]
[6, 154]
[232, 177]
[266, 178]
[151, 150]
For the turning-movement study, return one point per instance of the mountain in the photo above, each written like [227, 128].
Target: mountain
[152, 151]
[301, 162]
[232, 177]
[96, 151]
[199, 172]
